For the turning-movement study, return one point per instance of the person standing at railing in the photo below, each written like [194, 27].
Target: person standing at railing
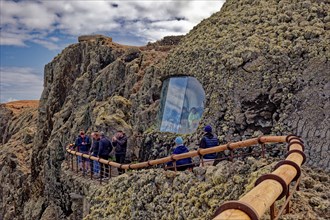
[94, 152]
[182, 164]
[105, 147]
[209, 140]
[119, 141]
[193, 119]
[83, 144]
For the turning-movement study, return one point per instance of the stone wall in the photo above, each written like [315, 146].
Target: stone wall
[95, 37]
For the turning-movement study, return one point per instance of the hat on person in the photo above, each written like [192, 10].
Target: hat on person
[208, 128]
[178, 140]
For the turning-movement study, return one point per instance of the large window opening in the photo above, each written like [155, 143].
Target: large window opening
[182, 105]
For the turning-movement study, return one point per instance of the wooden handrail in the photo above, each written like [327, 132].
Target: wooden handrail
[220, 148]
[269, 188]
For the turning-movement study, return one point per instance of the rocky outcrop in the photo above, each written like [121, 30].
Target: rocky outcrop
[159, 194]
[6, 115]
[265, 72]
[18, 128]
[166, 43]
[264, 66]
[92, 85]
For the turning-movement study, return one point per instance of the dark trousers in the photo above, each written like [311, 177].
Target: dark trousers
[104, 171]
[120, 158]
[94, 165]
[183, 168]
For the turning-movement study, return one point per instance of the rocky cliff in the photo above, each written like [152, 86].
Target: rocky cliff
[264, 66]
[92, 85]
[18, 126]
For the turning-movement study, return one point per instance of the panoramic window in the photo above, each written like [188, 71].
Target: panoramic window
[182, 105]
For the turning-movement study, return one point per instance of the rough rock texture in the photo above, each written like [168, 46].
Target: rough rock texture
[159, 194]
[18, 127]
[264, 66]
[92, 85]
[265, 69]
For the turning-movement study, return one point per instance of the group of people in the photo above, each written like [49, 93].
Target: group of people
[208, 140]
[100, 146]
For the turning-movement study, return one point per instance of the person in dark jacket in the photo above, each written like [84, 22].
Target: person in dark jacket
[119, 141]
[83, 144]
[94, 151]
[182, 164]
[209, 140]
[105, 147]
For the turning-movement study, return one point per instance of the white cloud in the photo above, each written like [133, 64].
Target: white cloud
[36, 21]
[10, 99]
[47, 43]
[20, 83]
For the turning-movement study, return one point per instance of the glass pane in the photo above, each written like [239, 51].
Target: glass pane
[173, 105]
[182, 105]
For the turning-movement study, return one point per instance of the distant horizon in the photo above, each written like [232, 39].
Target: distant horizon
[34, 32]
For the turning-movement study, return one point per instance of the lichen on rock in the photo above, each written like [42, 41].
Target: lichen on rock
[160, 194]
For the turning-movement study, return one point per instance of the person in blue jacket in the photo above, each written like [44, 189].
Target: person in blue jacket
[209, 140]
[83, 145]
[185, 163]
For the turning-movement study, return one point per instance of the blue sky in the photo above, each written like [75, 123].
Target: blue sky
[34, 31]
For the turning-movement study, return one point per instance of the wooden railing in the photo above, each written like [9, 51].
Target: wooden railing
[175, 157]
[269, 187]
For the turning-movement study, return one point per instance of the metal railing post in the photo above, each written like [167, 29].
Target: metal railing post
[231, 156]
[263, 150]
[200, 156]
[174, 164]
[100, 169]
[110, 171]
[72, 162]
[77, 164]
[83, 163]
[272, 211]
[287, 208]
